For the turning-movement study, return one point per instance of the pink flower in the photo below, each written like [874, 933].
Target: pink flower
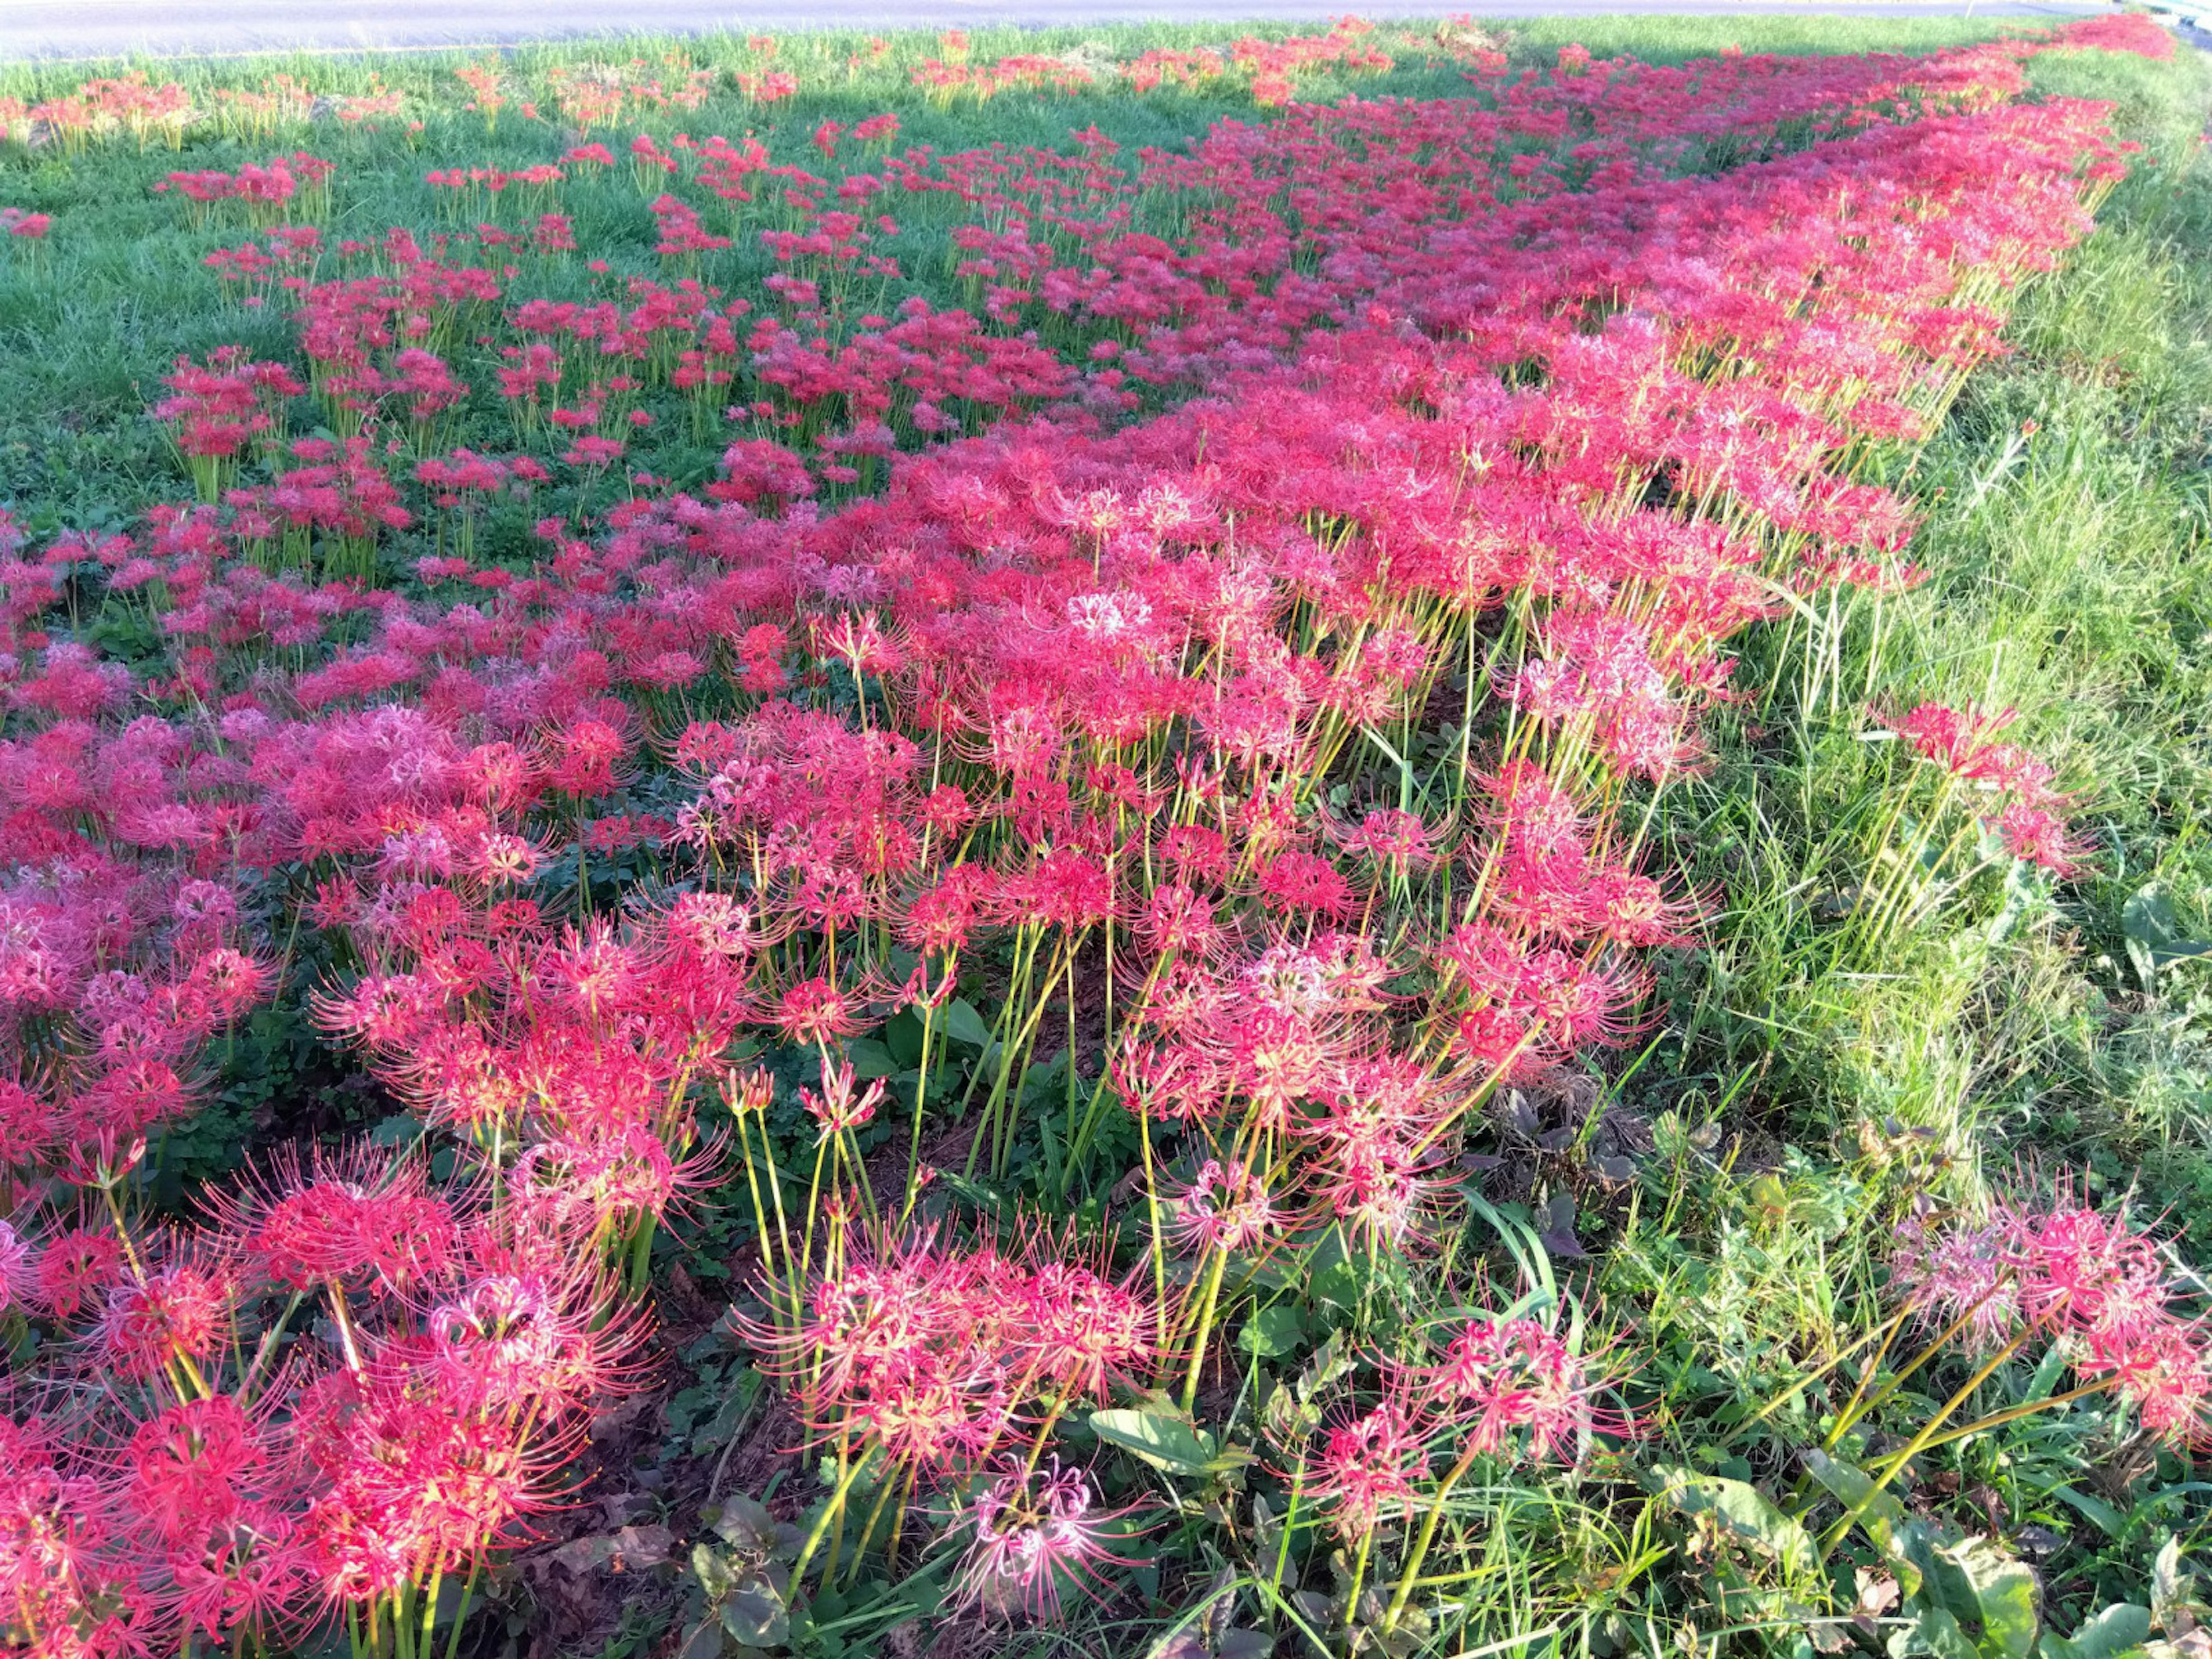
[1508, 1385]
[177, 1315]
[15, 1261]
[1369, 1468]
[841, 1106]
[1031, 1533]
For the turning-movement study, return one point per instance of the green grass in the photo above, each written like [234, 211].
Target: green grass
[84, 340]
[1796, 1094]
[2069, 536]
[120, 292]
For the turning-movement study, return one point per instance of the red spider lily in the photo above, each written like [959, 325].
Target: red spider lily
[842, 1107]
[1085, 1332]
[299, 182]
[815, 1012]
[1225, 1208]
[2093, 1285]
[2030, 822]
[1508, 1386]
[1031, 632]
[366, 1219]
[1956, 739]
[208, 1490]
[2041, 837]
[1032, 1533]
[221, 407]
[1368, 1469]
[929, 1353]
[2130, 31]
[165, 1322]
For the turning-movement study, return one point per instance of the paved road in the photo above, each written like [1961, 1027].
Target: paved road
[96, 28]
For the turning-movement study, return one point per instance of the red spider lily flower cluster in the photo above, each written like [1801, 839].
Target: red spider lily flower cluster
[2059, 1274]
[933, 1357]
[569, 1052]
[1030, 1532]
[2031, 820]
[1435, 449]
[132, 105]
[114, 973]
[2132, 32]
[220, 408]
[107, 105]
[260, 268]
[591, 96]
[269, 192]
[1501, 1386]
[1509, 1386]
[349, 1388]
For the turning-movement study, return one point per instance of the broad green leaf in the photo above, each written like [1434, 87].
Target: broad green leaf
[1338, 1285]
[2154, 935]
[2004, 1598]
[1902, 1541]
[1972, 1583]
[754, 1615]
[1165, 1443]
[2172, 1592]
[1850, 1484]
[1273, 1331]
[714, 1574]
[902, 1036]
[2023, 898]
[2120, 1629]
[1329, 1362]
[1231, 1457]
[1934, 1633]
[964, 1025]
[1742, 1509]
[2101, 1515]
[745, 1524]
[869, 1057]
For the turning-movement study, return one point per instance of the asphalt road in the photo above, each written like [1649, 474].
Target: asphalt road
[115, 28]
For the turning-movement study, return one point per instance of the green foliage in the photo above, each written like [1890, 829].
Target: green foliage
[2029, 1027]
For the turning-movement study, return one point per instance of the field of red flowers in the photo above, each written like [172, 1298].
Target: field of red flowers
[980, 831]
